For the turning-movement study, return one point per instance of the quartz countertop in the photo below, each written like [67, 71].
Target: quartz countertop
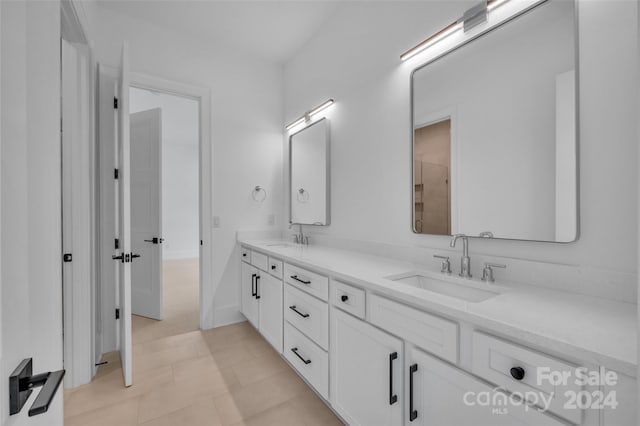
[593, 330]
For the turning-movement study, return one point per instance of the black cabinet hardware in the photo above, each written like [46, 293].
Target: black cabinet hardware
[413, 414]
[517, 373]
[67, 257]
[344, 297]
[21, 384]
[135, 256]
[257, 287]
[273, 267]
[116, 173]
[295, 351]
[243, 254]
[253, 284]
[117, 313]
[155, 240]
[295, 277]
[293, 308]
[392, 397]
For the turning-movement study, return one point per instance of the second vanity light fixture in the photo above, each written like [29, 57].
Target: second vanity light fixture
[307, 115]
[472, 17]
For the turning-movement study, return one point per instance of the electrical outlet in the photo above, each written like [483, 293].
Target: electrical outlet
[271, 219]
[216, 221]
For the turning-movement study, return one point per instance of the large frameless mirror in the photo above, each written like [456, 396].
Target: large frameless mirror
[309, 175]
[494, 132]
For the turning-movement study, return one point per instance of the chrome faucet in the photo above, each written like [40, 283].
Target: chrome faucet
[299, 238]
[465, 261]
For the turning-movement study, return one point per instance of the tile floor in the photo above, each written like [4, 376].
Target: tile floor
[225, 376]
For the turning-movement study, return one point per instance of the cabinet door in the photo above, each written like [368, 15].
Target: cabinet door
[439, 394]
[250, 303]
[366, 372]
[270, 292]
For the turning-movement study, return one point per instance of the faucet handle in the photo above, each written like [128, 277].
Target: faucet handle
[487, 272]
[446, 265]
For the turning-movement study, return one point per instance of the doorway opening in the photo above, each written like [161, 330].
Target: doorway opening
[165, 211]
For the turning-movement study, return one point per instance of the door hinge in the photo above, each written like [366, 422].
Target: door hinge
[67, 257]
[116, 244]
[117, 313]
[115, 103]
[116, 173]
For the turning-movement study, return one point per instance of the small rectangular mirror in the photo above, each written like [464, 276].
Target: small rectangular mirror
[309, 175]
[495, 132]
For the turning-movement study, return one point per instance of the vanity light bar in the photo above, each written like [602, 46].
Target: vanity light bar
[307, 115]
[445, 32]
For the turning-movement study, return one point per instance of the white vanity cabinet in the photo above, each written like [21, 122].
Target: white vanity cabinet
[625, 392]
[261, 298]
[439, 394]
[366, 367]
[250, 304]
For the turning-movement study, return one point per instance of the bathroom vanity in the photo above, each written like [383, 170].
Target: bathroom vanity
[385, 343]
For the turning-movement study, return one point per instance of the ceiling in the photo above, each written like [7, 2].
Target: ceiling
[273, 30]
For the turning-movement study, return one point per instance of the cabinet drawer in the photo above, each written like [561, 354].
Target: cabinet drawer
[431, 333]
[259, 260]
[275, 267]
[348, 298]
[245, 254]
[307, 314]
[308, 281]
[308, 359]
[493, 359]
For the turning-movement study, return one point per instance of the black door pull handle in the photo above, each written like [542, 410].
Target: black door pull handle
[155, 240]
[413, 414]
[135, 256]
[293, 308]
[392, 397]
[120, 257]
[295, 351]
[21, 384]
[295, 277]
[257, 287]
[253, 284]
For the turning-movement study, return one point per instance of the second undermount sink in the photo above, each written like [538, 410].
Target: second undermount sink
[448, 287]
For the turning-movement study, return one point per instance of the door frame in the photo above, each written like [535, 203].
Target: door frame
[203, 96]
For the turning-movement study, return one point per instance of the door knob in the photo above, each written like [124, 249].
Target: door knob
[21, 384]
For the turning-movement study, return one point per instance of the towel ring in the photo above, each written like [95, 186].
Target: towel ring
[303, 195]
[255, 194]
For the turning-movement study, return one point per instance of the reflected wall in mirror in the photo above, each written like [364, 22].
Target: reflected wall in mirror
[494, 132]
[309, 174]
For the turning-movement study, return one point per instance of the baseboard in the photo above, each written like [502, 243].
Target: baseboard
[225, 315]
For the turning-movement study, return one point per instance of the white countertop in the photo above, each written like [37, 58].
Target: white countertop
[589, 329]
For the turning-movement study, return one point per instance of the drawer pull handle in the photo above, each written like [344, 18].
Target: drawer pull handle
[253, 285]
[244, 254]
[295, 277]
[295, 351]
[413, 414]
[273, 267]
[392, 397]
[293, 308]
[517, 373]
[344, 298]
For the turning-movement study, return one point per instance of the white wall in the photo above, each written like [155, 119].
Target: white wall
[355, 60]
[180, 203]
[246, 132]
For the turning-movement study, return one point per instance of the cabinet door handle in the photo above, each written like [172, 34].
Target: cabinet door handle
[257, 287]
[253, 285]
[413, 414]
[295, 351]
[293, 308]
[392, 397]
[295, 277]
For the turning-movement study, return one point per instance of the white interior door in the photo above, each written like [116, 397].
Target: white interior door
[146, 213]
[124, 219]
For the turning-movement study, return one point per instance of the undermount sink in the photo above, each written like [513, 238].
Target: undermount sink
[468, 292]
[280, 245]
